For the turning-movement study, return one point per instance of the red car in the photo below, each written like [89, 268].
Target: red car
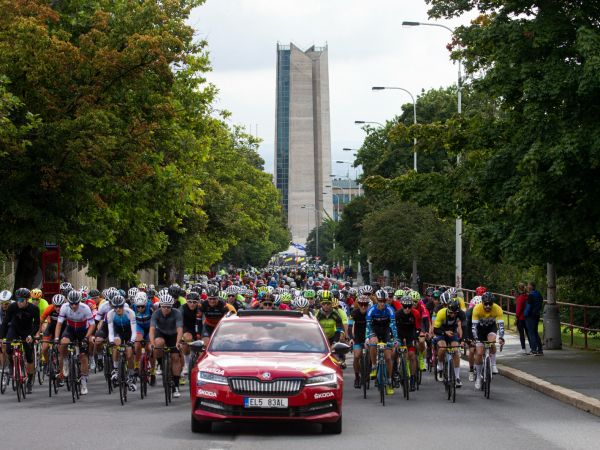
[267, 365]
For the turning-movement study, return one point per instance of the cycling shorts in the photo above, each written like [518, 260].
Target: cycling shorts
[482, 332]
[445, 338]
[170, 340]
[76, 335]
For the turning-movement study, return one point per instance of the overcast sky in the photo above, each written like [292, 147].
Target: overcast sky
[367, 46]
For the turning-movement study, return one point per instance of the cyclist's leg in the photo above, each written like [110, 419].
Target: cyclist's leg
[491, 337]
[456, 357]
[185, 350]
[441, 345]
[357, 352]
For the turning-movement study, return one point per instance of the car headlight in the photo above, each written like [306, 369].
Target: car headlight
[208, 377]
[322, 380]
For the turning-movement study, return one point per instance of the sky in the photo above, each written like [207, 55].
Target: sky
[367, 47]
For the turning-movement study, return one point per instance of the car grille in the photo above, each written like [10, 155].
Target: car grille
[239, 411]
[253, 386]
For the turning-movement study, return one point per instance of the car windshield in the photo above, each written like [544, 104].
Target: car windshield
[263, 336]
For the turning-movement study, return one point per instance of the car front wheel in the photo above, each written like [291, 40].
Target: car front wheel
[333, 427]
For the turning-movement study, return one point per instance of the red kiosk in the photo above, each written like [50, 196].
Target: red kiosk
[51, 270]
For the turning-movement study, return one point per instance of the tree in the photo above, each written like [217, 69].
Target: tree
[326, 238]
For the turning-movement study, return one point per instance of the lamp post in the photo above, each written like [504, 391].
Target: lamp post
[362, 122]
[458, 273]
[348, 177]
[381, 88]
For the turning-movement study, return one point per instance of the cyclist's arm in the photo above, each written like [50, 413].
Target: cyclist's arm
[439, 321]
[133, 325]
[393, 323]
[7, 320]
[111, 327]
[91, 323]
[500, 322]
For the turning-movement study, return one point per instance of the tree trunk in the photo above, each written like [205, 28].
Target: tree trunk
[102, 279]
[552, 337]
[28, 264]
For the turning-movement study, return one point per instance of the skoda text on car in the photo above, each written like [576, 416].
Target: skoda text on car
[267, 365]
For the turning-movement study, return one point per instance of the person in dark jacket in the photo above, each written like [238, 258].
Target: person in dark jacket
[521, 302]
[533, 310]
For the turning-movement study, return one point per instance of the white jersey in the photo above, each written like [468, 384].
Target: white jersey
[81, 318]
[104, 309]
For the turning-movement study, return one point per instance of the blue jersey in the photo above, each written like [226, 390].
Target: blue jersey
[380, 320]
[143, 317]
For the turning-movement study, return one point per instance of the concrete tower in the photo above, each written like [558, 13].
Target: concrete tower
[302, 137]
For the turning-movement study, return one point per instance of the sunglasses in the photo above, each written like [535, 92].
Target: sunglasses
[267, 304]
[407, 307]
[166, 307]
[193, 302]
[20, 300]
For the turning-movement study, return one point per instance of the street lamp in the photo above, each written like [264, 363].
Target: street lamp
[381, 88]
[458, 273]
[362, 122]
[349, 179]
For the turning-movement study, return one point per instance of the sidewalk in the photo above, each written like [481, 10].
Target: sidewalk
[569, 375]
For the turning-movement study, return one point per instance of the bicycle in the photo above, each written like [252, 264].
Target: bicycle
[19, 369]
[144, 371]
[39, 363]
[404, 371]
[449, 377]
[167, 376]
[107, 367]
[382, 377]
[365, 368]
[74, 372]
[52, 370]
[5, 374]
[122, 371]
[487, 369]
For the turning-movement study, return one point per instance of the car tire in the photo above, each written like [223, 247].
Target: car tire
[333, 427]
[201, 426]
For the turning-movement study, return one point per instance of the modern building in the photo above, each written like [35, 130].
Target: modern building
[302, 137]
[343, 190]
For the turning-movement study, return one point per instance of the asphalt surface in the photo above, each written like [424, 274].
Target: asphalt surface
[515, 416]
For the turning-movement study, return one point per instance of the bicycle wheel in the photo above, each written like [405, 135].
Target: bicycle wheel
[51, 374]
[365, 373]
[121, 379]
[445, 376]
[404, 376]
[418, 375]
[73, 378]
[451, 381]
[4, 375]
[18, 375]
[381, 379]
[143, 373]
[166, 368]
[488, 377]
[40, 365]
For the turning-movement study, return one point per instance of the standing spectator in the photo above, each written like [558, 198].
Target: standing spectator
[521, 301]
[533, 310]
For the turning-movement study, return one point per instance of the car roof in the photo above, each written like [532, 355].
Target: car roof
[269, 316]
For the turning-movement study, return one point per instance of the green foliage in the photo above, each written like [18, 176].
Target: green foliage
[326, 237]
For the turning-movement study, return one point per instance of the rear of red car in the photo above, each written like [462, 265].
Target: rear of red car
[267, 367]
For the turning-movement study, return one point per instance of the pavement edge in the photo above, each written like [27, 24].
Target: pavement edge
[569, 396]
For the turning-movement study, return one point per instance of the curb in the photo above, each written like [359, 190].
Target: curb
[568, 396]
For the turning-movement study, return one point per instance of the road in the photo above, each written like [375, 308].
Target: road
[515, 416]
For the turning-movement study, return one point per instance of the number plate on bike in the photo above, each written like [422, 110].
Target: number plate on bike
[265, 402]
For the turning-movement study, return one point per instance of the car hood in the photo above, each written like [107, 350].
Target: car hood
[277, 365]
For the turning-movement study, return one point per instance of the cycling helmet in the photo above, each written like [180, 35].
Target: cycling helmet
[453, 305]
[58, 300]
[406, 301]
[142, 287]
[122, 293]
[475, 301]
[415, 296]
[276, 299]
[151, 293]
[335, 293]
[36, 293]
[309, 293]
[266, 297]
[22, 293]
[94, 293]
[452, 292]
[480, 290]
[292, 284]
[174, 290]
[352, 292]
[436, 294]
[74, 297]
[429, 291]
[388, 289]
[110, 293]
[363, 299]
[231, 290]
[444, 298]
[365, 290]
[286, 298]
[270, 289]
[487, 299]
[5, 296]
[381, 294]
[141, 299]
[66, 286]
[117, 301]
[325, 295]
[301, 303]
[131, 293]
[399, 293]
[194, 296]
[212, 291]
[167, 300]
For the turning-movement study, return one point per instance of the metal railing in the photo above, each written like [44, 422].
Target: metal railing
[567, 310]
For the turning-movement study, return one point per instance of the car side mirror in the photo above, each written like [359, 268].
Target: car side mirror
[340, 349]
[198, 346]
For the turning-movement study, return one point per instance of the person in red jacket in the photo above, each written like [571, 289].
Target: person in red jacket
[521, 301]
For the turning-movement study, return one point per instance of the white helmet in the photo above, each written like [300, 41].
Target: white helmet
[301, 303]
[140, 299]
[166, 300]
[132, 292]
[5, 296]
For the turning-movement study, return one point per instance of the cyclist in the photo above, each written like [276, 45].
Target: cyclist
[80, 327]
[381, 327]
[143, 314]
[37, 300]
[419, 305]
[469, 338]
[212, 311]
[121, 329]
[488, 320]
[166, 330]
[267, 302]
[359, 330]
[408, 324]
[448, 331]
[22, 322]
[48, 322]
[335, 304]
[192, 327]
[330, 320]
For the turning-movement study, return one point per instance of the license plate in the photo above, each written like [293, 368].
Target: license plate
[254, 402]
